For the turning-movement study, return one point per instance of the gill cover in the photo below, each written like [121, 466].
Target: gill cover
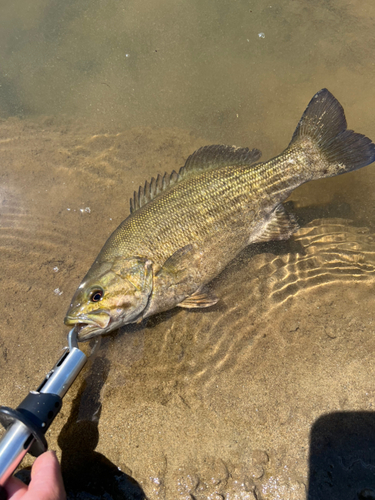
[137, 279]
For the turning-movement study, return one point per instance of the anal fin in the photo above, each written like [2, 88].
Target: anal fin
[201, 298]
[280, 226]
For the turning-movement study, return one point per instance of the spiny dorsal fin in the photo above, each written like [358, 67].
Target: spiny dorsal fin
[206, 158]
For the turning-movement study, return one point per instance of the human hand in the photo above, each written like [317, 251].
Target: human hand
[46, 481]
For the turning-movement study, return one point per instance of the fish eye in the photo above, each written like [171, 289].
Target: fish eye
[96, 295]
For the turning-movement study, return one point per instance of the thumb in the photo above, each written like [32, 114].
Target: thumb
[46, 480]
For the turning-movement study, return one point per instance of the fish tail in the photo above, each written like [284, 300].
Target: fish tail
[329, 148]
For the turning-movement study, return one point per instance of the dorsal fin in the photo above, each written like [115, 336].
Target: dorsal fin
[206, 158]
[212, 157]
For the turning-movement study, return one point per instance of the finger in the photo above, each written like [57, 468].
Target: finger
[46, 480]
[15, 488]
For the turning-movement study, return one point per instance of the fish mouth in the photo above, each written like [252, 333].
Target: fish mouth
[89, 325]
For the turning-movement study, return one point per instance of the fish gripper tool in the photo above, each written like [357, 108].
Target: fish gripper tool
[27, 424]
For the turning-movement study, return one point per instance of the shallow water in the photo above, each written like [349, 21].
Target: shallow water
[95, 98]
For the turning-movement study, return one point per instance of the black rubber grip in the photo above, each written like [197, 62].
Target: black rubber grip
[37, 411]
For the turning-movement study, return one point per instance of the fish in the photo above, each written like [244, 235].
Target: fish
[185, 228]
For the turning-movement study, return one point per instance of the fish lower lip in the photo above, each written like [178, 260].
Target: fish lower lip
[88, 332]
[89, 326]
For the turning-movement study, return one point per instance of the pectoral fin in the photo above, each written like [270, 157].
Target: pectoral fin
[280, 226]
[184, 266]
[180, 261]
[201, 298]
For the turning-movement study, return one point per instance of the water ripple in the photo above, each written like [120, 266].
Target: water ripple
[191, 348]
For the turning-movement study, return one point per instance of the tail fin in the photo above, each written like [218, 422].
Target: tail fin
[339, 150]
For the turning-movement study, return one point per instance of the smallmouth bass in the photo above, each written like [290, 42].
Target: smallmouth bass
[184, 228]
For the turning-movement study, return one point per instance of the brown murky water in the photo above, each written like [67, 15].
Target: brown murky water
[213, 404]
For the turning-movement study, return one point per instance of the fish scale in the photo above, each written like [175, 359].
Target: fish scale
[187, 202]
[185, 228]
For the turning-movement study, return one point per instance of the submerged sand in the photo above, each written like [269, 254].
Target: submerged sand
[198, 405]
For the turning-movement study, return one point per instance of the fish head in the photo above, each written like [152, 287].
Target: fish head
[111, 295]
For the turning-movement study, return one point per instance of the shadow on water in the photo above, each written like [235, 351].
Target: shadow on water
[87, 473]
[336, 208]
[342, 457]
[304, 216]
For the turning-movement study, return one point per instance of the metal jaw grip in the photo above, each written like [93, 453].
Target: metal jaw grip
[26, 425]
